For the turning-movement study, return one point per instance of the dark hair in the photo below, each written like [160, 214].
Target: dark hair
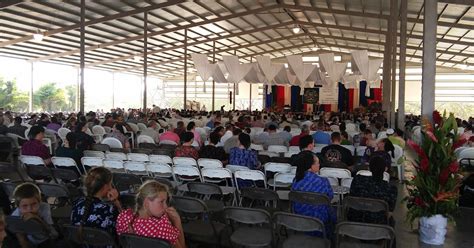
[218, 129]
[71, 139]
[399, 132]
[79, 126]
[247, 130]
[35, 130]
[335, 136]
[344, 134]
[272, 127]
[388, 146]
[303, 162]
[26, 190]
[214, 138]
[94, 181]
[191, 125]
[305, 141]
[54, 119]
[119, 127]
[287, 128]
[180, 124]
[186, 137]
[362, 127]
[236, 131]
[377, 167]
[244, 140]
[18, 120]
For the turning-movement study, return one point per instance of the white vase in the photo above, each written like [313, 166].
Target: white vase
[433, 229]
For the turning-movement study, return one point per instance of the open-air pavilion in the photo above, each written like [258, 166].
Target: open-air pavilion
[159, 38]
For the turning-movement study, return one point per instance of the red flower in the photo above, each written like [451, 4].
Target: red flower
[432, 136]
[417, 148]
[419, 202]
[443, 176]
[458, 144]
[424, 164]
[453, 167]
[437, 118]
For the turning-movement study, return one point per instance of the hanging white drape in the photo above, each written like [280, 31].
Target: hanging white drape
[335, 71]
[302, 71]
[367, 69]
[269, 70]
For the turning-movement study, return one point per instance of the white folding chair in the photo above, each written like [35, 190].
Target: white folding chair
[145, 139]
[234, 168]
[350, 127]
[186, 174]
[92, 161]
[398, 152]
[138, 157]
[338, 173]
[141, 126]
[289, 154]
[346, 182]
[276, 167]
[115, 165]
[133, 126]
[107, 129]
[257, 147]
[270, 154]
[217, 175]
[360, 151]
[382, 134]
[283, 180]
[350, 148]
[160, 159]
[294, 149]
[466, 153]
[66, 162]
[47, 142]
[62, 132]
[367, 173]
[277, 149]
[209, 163]
[135, 167]
[31, 160]
[253, 175]
[184, 161]
[168, 142]
[112, 142]
[318, 148]
[159, 170]
[92, 153]
[116, 156]
[293, 169]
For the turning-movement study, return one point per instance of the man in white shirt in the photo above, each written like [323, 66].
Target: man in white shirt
[228, 133]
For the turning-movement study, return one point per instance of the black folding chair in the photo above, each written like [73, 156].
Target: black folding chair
[90, 236]
[32, 226]
[262, 198]
[125, 182]
[100, 147]
[197, 224]
[142, 150]
[210, 193]
[350, 234]
[362, 205]
[250, 227]
[150, 146]
[299, 226]
[134, 241]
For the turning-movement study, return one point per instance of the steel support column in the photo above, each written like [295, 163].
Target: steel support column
[394, 24]
[32, 79]
[213, 81]
[429, 58]
[402, 65]
[145, 57]
[82, 55]
[387, 63]
[185, 64]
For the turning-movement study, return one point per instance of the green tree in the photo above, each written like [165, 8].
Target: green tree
[71, 92]
[49, 97]
[11, 97]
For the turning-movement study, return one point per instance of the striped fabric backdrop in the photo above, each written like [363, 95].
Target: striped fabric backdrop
[348, 99]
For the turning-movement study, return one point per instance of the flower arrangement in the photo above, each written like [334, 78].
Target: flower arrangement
[435, 188]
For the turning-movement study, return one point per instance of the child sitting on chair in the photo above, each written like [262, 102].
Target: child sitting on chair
[152, 216]
[29, 206]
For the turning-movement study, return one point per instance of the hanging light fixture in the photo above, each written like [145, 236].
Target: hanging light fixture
[136, 58]
[38, 36]
[296, 29]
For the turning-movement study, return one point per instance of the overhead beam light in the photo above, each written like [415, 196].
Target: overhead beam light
[38, 36]
[296, 29]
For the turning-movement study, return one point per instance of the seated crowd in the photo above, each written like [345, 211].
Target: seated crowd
[223, 139]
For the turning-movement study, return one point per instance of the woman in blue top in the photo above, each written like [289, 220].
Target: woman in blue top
[307, 180]
[243, 155]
